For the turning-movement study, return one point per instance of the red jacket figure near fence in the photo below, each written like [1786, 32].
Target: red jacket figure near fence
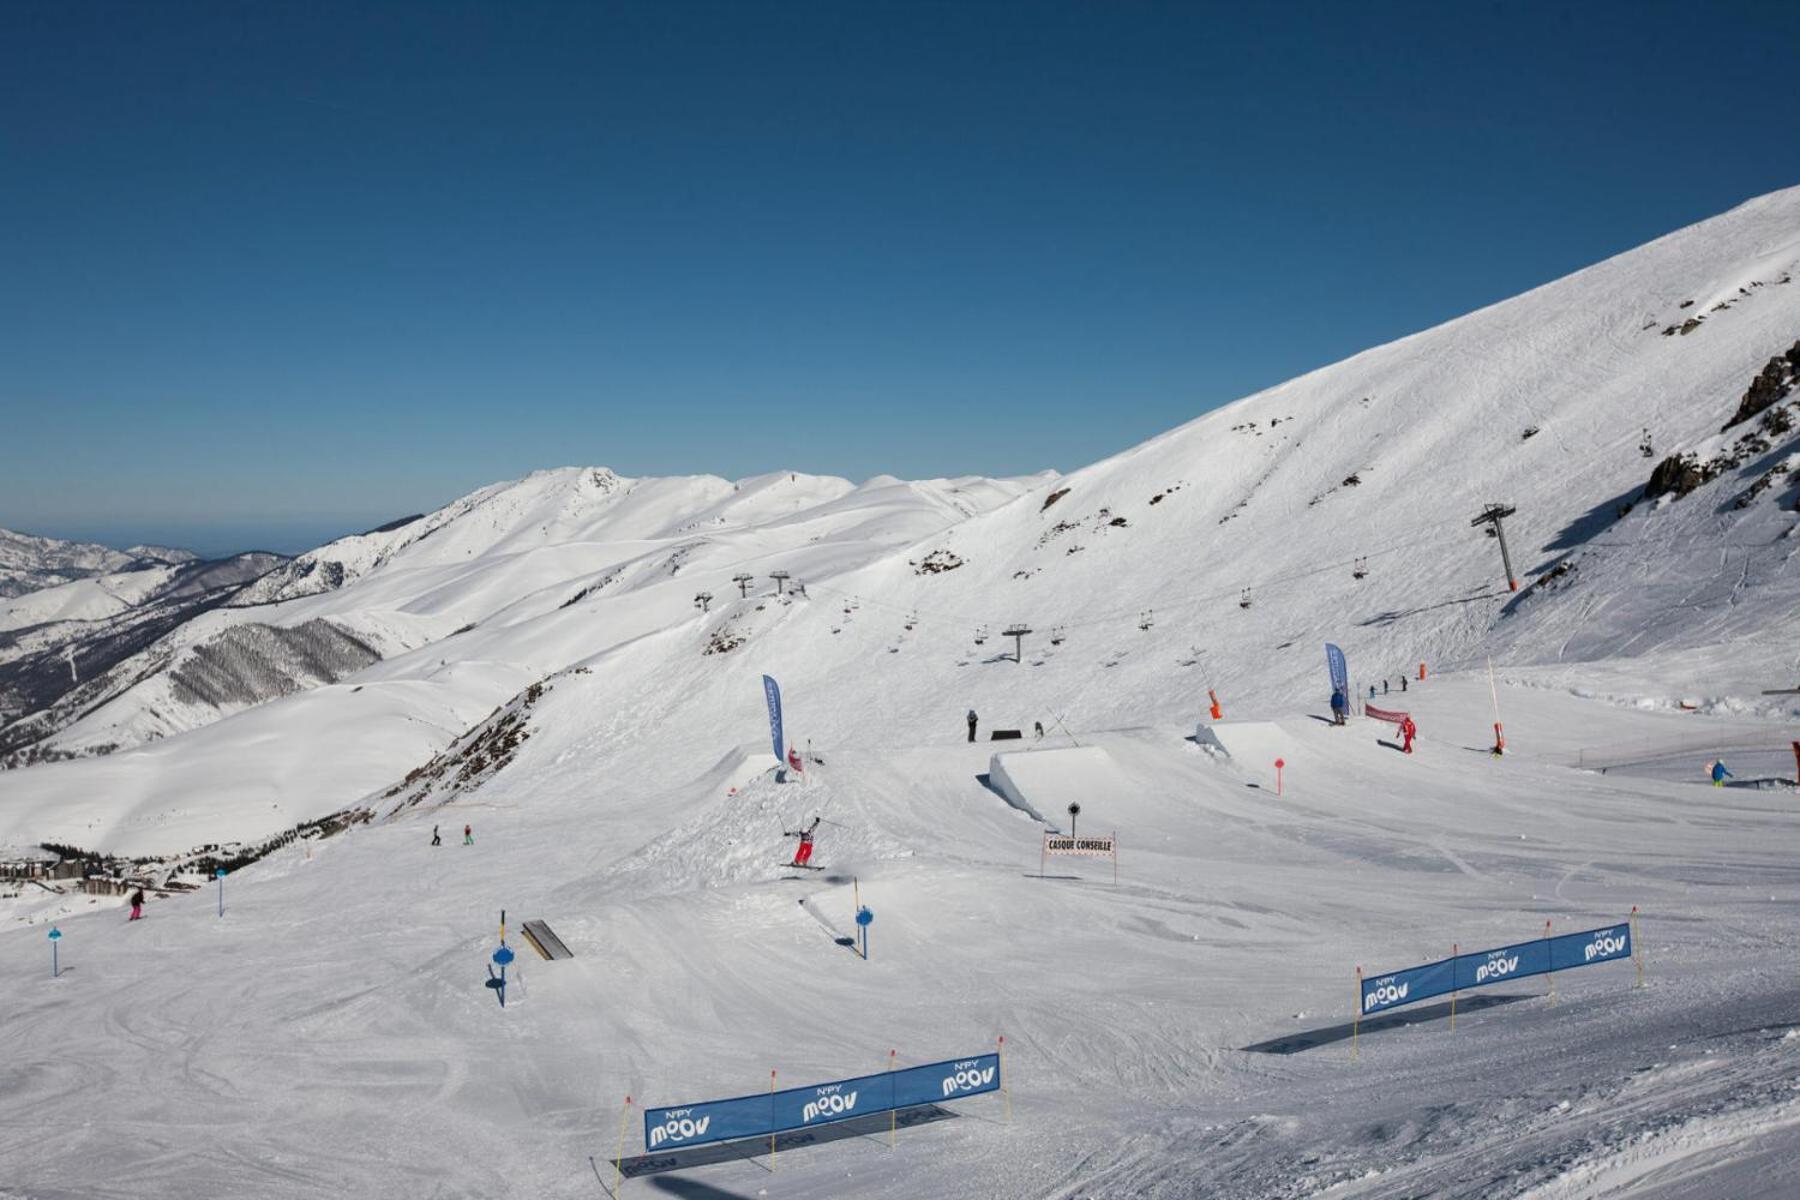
[1408, 731]
[795, 763]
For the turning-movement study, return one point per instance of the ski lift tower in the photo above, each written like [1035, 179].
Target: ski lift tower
[1017, 634]
[703, 601]
[780, 578]
[1493, 515]
[743, 582]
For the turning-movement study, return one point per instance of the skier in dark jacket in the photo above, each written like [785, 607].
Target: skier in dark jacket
[972, 720]
[1338, 705]
[137, 905]
[802, 852]
[435, 839]
[1719, 773]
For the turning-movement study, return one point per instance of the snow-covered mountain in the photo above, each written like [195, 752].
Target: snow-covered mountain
[28, 563]
[1219, 556]
[571, 664]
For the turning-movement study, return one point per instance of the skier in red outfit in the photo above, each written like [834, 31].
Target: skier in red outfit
[802, 852]
[1408, 731]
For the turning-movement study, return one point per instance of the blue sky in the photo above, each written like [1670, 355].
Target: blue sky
[272, 273]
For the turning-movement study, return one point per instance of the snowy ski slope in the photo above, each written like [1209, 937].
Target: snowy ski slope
[1177, 1035]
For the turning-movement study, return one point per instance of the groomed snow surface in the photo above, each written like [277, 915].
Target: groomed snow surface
[331, 1034]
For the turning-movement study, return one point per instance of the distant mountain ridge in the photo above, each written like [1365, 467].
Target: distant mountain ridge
[29, 563]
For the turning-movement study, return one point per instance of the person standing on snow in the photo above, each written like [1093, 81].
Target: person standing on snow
[435, 839]
[137, 905]
[972, 720]
[1719, 773]
[1371, 691]
[1384, 687]
[1408, 731]
[468, 835]
[1338, 705]
[802, 852]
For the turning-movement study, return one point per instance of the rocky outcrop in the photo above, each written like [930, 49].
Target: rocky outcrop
[1780, 376]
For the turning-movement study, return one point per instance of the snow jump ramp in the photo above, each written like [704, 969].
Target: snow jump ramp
[1254, 745]
[1043, 783]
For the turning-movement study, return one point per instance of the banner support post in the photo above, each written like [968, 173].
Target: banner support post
[1005, 1087]
[1636, 952]
[1115, 858]
[1455, 953]
[1549, 963]
[1356, 1015]
[771, 1119]
[893, 1113]
[619, 1162]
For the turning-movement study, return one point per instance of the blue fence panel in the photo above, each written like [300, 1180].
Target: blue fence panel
[712, 1121]
[1590, 946]
[818, 1104]
[947, 1080]
[1408, 986]
[1497, 966]
[822, 1103]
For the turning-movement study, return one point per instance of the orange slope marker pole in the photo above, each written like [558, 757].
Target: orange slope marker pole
[1455, 953]
[619, 1162]
[1551, 974]
[1637, 951]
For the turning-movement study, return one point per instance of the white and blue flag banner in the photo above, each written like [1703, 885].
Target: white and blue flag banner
[772, 693]
[1536, 957]
[818, 1104]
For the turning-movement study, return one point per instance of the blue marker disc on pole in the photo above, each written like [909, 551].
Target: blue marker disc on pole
[503, 955]
[864, 916]
[55, 933]
[220, 874]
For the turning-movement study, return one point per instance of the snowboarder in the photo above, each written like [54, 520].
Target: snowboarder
[468, 835]
[1038, 728]
[972, 720]
[1719, 773]
[1384, 687]
[1338, 705]
[137, 905]
[802, 852]
[1403, 683]
[1408, 731]
[435, 839]
[794, 762]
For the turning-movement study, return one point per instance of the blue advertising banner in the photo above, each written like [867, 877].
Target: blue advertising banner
[772, 694]
[1483, 967]
[1407, 987]
[1509, 962]
[1340, 673]
[818, 1104]
[1590, 946]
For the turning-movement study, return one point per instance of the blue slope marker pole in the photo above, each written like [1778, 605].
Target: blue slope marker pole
[864, 918]
[503, 956]
[55, 937]
[220, 876]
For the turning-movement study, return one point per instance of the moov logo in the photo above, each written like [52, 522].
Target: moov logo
[968, 1076]
[1384, 994]
[678, 1126]
[828, 1101]
[1498, 966]
[1608, 943]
